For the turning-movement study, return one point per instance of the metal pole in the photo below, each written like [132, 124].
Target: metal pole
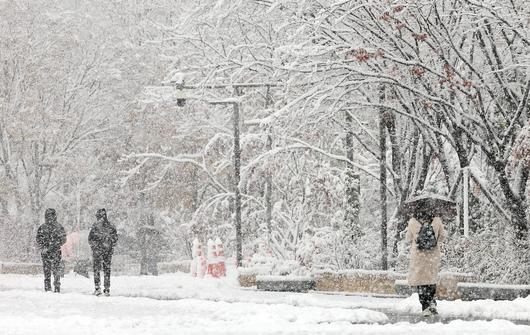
[268, 177]
[237, 154]
[268, 194]
[237, 177]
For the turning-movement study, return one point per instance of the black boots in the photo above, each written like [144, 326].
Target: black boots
[97, 292]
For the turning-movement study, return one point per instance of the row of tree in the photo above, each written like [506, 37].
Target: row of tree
[352, 105]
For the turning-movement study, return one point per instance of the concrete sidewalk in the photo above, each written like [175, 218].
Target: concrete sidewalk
[396, 317]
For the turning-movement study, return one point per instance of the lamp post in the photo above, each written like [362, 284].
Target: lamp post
[237, 175]
[181, 102]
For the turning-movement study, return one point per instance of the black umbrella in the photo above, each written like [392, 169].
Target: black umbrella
[435, 204]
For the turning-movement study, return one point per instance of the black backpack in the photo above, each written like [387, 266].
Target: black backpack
[426, 238]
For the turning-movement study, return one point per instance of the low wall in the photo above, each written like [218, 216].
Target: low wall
[247, 280]
[117, 268]
[476, 291]
[446, 287]
[366, 281]
[329, 281]
[36, 268]
[21, 268]
[384, 282]
[247, 275]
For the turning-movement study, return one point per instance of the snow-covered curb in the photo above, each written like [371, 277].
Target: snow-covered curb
[284, 278]
[496, 286]
[354, 272]
[518, 309]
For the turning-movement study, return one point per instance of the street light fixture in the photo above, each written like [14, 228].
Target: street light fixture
[237, 176]
[182, 97]
[181, 102]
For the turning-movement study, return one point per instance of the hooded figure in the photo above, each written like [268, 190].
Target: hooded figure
[50, 237]
[102, 239]
[149, 240]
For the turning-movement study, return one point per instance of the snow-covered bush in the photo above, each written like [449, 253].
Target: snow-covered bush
[260, 264]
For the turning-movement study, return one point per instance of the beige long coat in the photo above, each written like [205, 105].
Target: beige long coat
[424, 265]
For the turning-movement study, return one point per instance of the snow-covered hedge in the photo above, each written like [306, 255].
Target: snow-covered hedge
[363, 272]
[264, 265]
[174, 266]
[284, 278]
[285, 283]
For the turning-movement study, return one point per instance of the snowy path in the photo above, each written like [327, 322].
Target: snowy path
[178, 304]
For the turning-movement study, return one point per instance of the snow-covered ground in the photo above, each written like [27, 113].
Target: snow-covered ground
[180, 304]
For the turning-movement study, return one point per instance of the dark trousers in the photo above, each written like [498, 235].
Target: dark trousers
[426, 294]
[51, 263]
[102, 262]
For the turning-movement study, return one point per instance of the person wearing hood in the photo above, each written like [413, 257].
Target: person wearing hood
[102, 239]
[149, 240]
[50, 237]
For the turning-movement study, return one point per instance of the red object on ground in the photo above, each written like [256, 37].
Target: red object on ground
[198, 263]
[202, 270]
[219, 269]
[211, 260]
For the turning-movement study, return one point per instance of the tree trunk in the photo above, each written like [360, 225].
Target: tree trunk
[516, 205]
[352, 230]
[401, 219]
[382, 190]
[236, 180]
[352, 184]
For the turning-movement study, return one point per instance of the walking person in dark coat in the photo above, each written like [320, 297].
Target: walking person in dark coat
[149, 241]
[50, 237]
[102, 239]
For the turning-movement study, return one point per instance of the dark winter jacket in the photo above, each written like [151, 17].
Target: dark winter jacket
[50, 235]
[102, 236]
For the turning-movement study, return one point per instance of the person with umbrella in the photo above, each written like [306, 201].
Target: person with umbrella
[426, 232]
[102, 239]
